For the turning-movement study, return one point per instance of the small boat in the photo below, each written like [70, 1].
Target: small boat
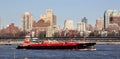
[53, 44]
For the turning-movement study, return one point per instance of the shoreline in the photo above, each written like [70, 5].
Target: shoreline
[107, 43]
[20, 42]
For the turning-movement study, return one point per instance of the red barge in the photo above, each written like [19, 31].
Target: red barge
[56, 45]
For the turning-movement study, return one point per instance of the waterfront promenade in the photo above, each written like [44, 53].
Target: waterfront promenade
[97, 40]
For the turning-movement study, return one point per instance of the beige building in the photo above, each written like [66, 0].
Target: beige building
[68, 25]
[49, 17]
[27, 22]
[90, 27]
[81, 26]
[46, 23]
[99, 24]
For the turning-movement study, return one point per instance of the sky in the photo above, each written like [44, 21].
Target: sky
[11, 11]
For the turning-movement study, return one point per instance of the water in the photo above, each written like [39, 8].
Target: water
[102, 52]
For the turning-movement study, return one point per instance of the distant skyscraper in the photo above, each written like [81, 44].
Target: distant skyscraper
[99, 24]
[84, 20]
[49, 17]
[68, 25]
[107, 16]
[81, 26]
[27, 22]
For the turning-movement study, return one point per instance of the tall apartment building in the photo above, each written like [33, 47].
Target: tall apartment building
[107, 15]
[85, 20]
[27, 22]
[49, 17]
[81, 26]
[68, 25]
[99, 24]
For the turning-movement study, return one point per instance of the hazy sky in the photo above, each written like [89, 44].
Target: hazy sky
[11, 11]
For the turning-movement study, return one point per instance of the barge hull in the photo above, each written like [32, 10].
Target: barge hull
[78, 46]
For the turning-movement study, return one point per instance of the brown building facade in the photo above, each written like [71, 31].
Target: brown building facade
[10, 30]
[99, 24]
[115, 19]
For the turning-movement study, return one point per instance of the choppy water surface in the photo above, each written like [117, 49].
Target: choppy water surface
[102, 52]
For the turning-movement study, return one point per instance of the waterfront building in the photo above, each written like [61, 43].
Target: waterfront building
[10, 31]
[99, 24]
[90, 27]
[85, 20]
[68, 25]
[81, 26]
[56, 28]
[49, 17]
[113, 29]
[107, 15]
[27, 22]
[46, 23]
[103, 33]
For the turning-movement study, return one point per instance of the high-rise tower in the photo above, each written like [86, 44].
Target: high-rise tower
[107, 16]
[49, 17]
[99, 24]
[68, 25]
[81, 26]
[27, 22]
[84, 20]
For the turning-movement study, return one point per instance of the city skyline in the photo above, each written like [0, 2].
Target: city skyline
[12, 11]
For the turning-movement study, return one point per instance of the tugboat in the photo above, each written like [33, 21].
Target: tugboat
[53, 44]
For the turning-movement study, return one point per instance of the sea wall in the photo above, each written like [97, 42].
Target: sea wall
[97, 40]
[19, 42]
[10, 42]
[107, 42]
